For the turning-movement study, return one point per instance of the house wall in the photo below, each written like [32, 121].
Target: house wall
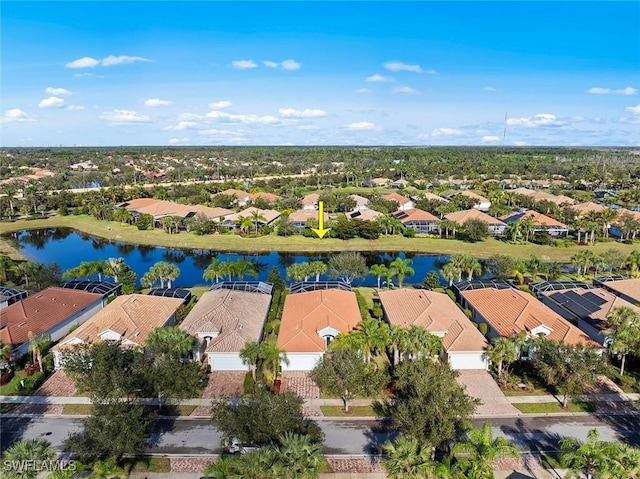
[61, 329]
[422, 227]
[302, 361]
[496, 229]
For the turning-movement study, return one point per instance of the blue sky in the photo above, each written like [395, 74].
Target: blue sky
[320, 73]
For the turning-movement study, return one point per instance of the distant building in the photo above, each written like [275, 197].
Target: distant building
[540, 222]
[404, 203]
[422, 222]
[494, 226]
[481, 203]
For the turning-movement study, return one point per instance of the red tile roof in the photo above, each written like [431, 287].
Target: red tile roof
[39, 313]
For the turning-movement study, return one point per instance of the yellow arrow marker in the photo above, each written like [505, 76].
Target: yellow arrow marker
[321, 231]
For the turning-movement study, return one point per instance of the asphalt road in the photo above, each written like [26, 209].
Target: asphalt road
[342, 436]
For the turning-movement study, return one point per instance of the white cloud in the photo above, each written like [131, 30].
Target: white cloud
[123, 117]
[178, 141]
[57, 91]
[402, 67]
[84, 62]
[438, 132]
[633, 109]
[15, 115]
[218, 105]
[405, 89]
[74, 107]
[121, 60]
[89, 62]
[377, 78]
[153, 102]
[308, 127]
[612, 91]
[290, 65]
[306, 113]
[361, 126]
[489, 88]
[490, 139]
[243, 64]
[86, 75]
[189, 117]
[285, 65]
[249, 119]
[541, 119]
[216, 132]
[363, 90]
[51, 102]
[182, 125]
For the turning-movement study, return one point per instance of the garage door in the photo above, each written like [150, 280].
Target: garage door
[226, 362]
[468, 361]
[301, 362]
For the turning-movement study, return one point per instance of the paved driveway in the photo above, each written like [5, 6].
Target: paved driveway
[479, 384]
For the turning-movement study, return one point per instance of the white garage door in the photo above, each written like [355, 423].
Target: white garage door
[226, 362]
[301, 362]
[468, 361]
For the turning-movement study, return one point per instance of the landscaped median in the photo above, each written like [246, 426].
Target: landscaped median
[116, 231]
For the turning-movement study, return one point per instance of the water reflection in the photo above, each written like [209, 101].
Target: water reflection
[68, 248]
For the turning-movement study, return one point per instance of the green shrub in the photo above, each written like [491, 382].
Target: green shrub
[451, 294]
[377, 312]
[483, 328]
[409, 233]
[31, 383]
[248, 384]
[622, 380]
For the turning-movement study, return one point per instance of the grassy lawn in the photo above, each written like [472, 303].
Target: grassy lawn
[148, 464]
[367, 294]
[11, 388]
[180, 410]
[338, 411]
[535, 392]
[539, 408]
[130, 234]
[77, 409]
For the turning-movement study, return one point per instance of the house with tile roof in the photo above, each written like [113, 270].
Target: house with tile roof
[128, 319]
[225, 319]
[464, 344]
[481, 203]
[299, 218]
[362, 203]
[540, 222]
[494, 226]
[427, 195]
[269, 216]
[404, 203]
[242, 197]
[377, 182]
[583, 209]
[311, 320]
[626, 288]
[310, 201]
[263, 195]
[365, 215]
[53, 311]
[510, 311]
[422, 222]
[587, 307]
[560, 200]
[401, 183]
[160, 209]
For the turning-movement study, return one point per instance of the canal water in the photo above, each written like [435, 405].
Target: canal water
[68, 248]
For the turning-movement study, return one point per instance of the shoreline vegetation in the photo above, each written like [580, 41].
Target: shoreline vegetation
[116, 231]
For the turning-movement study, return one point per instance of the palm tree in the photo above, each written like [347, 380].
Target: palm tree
[37, 345]
[372, 337]
[502, 351]
[629, 458]
[164, 272]
[471, 266]
[514, 230]
[243, 267]
[450, 272]
[406, 458]
[27, 270]
[271, 354]
[257, 217]
[114, 267]
[245, 223]
[593, 458]
[422, 343]
[607, 217]
[108, 469]
[633, 261]
[296, 272]
[317, 268]
[251, 355]
[624, 332]
[26, 452]
[399, 339]
[481, 448]
[403, 268]
[6, 265]
[535, 264]
[378, 271]
[301, 457]
[215, 270]
[170, 342]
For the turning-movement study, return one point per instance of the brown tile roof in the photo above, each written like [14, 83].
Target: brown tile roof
[211, 213]
[41, 312]
[541, 195]
[414, 214]
[304, 215]
[268, 197]
[236, 316]
[239, 194]
[310, 199]
[591, 303]
[435, 312]
[131, 317]
[463, 216]
[307, 313]
[513, 311]
[589, 206]
[401, 200]
[430, 196]
[627, 287]
[475, 196]
[538, 218]
[157, 208]
[366, 215]
[360, 200]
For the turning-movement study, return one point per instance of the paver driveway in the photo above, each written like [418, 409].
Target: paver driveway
[479, 384]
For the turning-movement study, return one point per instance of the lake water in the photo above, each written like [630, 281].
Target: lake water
[68, 248]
